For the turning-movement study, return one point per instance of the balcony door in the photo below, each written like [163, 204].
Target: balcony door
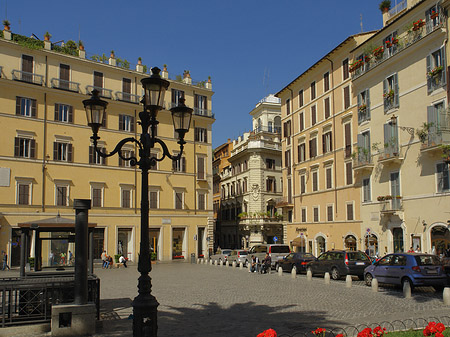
[27, 68]
[395, 190]
[64, 76]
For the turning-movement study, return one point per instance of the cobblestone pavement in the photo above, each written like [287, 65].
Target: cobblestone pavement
[205, 300]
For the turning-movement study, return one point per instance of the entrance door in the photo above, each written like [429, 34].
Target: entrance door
[440, 239]
[99, 236]
[200, 244]
[125, 243]
[398, 240]
[372, 244]
[350, 242]
[154, 241]
[178, 244]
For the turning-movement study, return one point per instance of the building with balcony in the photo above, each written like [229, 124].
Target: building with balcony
[250, 185]
[47, 158]
[319, 115]
[400, 80]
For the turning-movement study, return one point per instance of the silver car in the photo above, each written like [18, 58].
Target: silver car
[238, 255]
[221, 256]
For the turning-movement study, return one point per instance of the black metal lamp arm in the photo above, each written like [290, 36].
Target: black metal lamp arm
[117, 149]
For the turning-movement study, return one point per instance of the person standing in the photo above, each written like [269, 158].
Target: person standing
[5, 261]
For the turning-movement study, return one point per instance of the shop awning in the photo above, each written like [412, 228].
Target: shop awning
[55, 222]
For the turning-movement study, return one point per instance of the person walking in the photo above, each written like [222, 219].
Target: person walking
[5, 261]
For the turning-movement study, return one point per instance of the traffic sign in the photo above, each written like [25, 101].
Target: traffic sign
[275, 239]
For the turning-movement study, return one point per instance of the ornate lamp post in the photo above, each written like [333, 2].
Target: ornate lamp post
[145, 304]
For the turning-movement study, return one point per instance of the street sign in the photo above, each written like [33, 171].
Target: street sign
[275, 239]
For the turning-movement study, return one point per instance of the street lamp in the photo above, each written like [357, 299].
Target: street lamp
[145, 304]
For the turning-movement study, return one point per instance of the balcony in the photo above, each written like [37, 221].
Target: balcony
[276, 129]
[436, 80]
[408, 38]
[23, 76]
[438, 131]
[363, 114]
[390, 155]
[285, 202]
[363, 162]
[203, 112]
[390, 205]
[401, 6]
[105, 93]
[127, 97]
[57, 83]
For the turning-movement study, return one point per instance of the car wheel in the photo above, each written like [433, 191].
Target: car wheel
[368, 279]
[407, 280]
[335, 275]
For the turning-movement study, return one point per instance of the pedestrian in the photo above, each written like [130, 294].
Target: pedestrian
[254, 265]
[104, 258]
[51, 257]
[110, 262]
[123, 261]
[70, 258]
[266, 264]
[63, 258]
[411, 250]
[5, 261]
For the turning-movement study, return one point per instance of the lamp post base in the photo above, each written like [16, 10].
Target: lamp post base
[145, 310]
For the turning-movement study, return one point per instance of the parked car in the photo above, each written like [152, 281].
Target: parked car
[415, 268]
[238, 255]
[340, 263]
[276, 252]
[221, 255]
[295, 260]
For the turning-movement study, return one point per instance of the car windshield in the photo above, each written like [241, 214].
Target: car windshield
[427, 260]
[357, 256]
[226, 252]
[280, 249]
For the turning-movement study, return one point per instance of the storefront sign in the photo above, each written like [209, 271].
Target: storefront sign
[300, 229]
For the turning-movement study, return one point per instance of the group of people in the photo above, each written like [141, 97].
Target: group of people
[107, 260]
[263, 267]
[64, 259]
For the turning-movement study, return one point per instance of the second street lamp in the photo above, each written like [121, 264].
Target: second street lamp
[145, 305]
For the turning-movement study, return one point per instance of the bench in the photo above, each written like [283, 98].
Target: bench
[118, 265]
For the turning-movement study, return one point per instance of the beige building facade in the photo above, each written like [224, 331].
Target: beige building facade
[47, 159]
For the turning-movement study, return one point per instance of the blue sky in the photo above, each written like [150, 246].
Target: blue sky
[250, 48]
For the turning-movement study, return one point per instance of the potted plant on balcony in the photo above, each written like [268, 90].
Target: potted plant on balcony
[418, 24]
[446, 153]
[385, 6]
[6, 25]
[47, 36]
[423, 132]
[381, 198]
[434, 14]
[378, 52]
[435, 72]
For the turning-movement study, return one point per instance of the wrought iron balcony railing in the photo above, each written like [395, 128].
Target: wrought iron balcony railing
[58, 83]
[23, 76]
[202, 112]
[105, 93]
[127, 97]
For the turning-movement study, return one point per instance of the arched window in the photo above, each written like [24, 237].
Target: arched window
[320, 245]
[277, 123]
[371, 245]
[397, 233]
[350, 242]
[440, 239]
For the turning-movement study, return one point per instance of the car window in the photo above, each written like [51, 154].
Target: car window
[280, 249]
[427, 260]
[260, 249]
[399, 260]
[339, 256]
[307, 255]
[385, 261]
[290, 256]
[243, 252]
[323, 257]
[226, 252]
[357, 256]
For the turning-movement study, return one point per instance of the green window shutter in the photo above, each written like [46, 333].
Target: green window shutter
[16, 147]
[32, 148]
[18, 104]
[33, 108]
[69, 153]
[396, 90]
[429, 79]
[56, 112]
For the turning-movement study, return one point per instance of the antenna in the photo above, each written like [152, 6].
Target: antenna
[360, 15]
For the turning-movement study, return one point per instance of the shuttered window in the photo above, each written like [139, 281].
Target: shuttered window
[326, 81]
[315, 181]
[97, 197]
[313, 148]
[179, 165]
[24, 147]
[153, 199]
[329, 213]
[313, 90]
[26, 106]
[346, 97]
[126, 198]
[443, 179]
[350, 212]
[126, 123]
[345, 73]
[178, 200]
[301, 152]
[302, 184]
[288, 106]
[63, 113]
[23, 194]
[98, 79]
[349, 173]
[366, 190]
[201, 168]
[316, 214]
[61, 196]
[326, 107]
[348, 140]
[64, 76]
[201, 201]
[328, 174]
[62, 152]
[300, 99]
[313, 115]
[302, 121]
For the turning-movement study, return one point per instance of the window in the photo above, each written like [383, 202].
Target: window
[201, 168]
[126, 123]
[395, 189]
[316, 214]
[126, 198]
[287, 161]
[330, 213]
[303, 214]
[64, 76]
[176, 95]
[349, 173]
[312, 147]
[154, 197]
[24, 192]
[328, 176]
[301, 118]
[27, 68]
[350, 211]
[326, 107]
[390, 92]
[363, 155]
[366, 190]
[179, 165]
[391, 139]
[62, 195]
[97, 196]
[287, 130]
[63, 113]
[179, 196]
[301, 152]
[315, 181]
[25, 107]
[390, 45]
[326, 81]
[126, 154]
[313, 115]
[302, 183]
[201, 135]
[201, 201]
[62, 151]
[126, 89]
[244, 186]
[94, 157]
[345, 73]
[300, 99]
[363, 106]
[443, 180]
[436, 70]
[200, 104]
[348, 140]
[433, 18]
[346, 97]
[24, 147]
[270, 164]
[271, 184]
[288, 106]
[154, 154]
[327, 144]
[98, 80]
[313, 90]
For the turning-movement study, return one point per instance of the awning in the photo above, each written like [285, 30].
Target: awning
[55, 222]
[299, 242]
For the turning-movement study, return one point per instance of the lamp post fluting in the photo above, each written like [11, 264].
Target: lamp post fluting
[145, 305]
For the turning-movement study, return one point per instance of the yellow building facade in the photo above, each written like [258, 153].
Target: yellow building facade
[47, 159]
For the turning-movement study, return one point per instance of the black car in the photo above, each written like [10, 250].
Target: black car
[295, 260]
[340, 263]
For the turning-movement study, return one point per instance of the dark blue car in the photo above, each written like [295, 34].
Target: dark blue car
[415, 268]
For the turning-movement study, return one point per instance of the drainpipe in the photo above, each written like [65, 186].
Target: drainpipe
[334, 137]
[44, 154]
[291, 108]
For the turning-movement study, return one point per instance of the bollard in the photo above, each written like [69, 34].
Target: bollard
[308, 275]
[234, 264]
[249, 267]
[446, 296]
[227, 264]
[348, 281]
[241, 266]
[198, 261]
[406, 289]
[280, 271]
[221, 263]
[326, 278]
[375, 285]
[294, 273]
[211, 262]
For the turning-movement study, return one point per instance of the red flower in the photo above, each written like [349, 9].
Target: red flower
[319, 331]
[268, 333]
[367, 332]
[440, 327]
[438, 334]
[379, 331]
[339, 335]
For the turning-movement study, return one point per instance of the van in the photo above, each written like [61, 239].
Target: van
[276, 252]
